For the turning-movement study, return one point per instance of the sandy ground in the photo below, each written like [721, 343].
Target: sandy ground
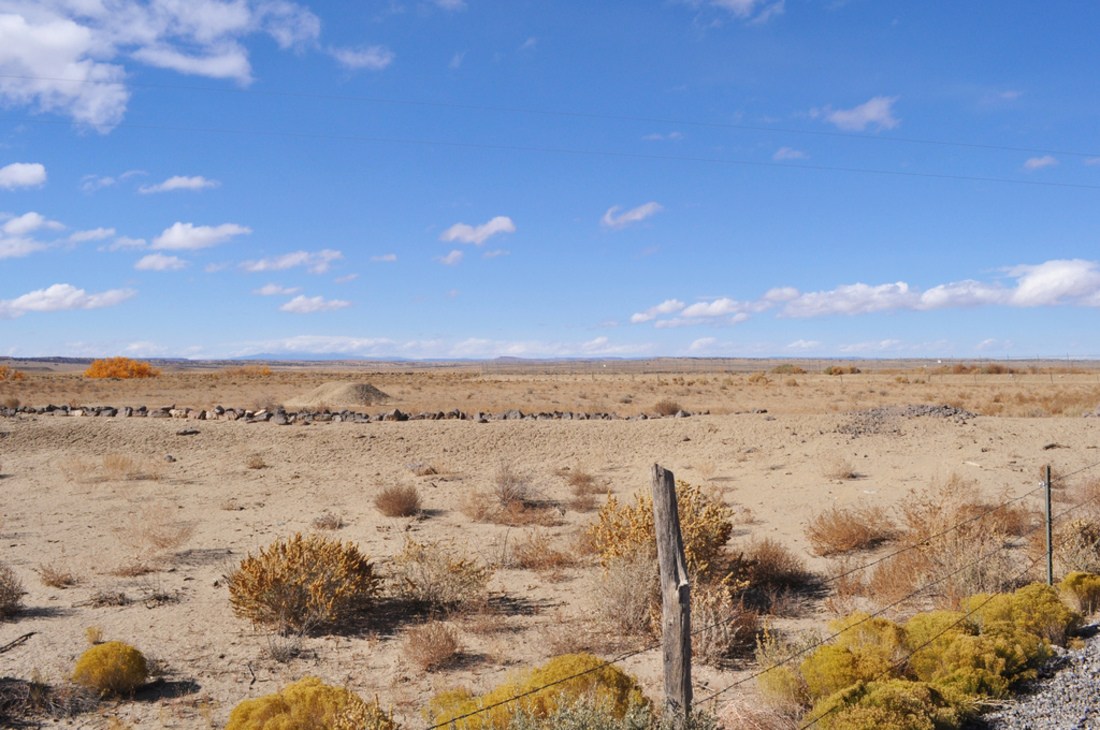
[64, 506]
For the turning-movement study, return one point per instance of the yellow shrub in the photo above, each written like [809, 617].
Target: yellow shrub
[1084, 589]
[309, 704]
[705, 523]
[888, 705]
[1035, 608]
[8, 373]
[866, 649]
[303, 582]
[608, 687]
[113, 668]
[120, 367]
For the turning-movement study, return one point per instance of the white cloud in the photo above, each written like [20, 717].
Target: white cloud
[371, 58]
[852, 299]
[13, 248]
[877, 112]
[160, 262]
[961, 294]
[61, 297]
[702, 345]
[456, 60]
[94, 234]
[754, 11]
[887, 345]
[275, 290]
[28, 223]
[529, 44]
[123, 243]
[302, 304]
[614, 219]
[315, 262]
[21, 174]
[804, 345]
[451, 259]
[188, 237]
[179, 182]
[789, 153]
[386, 258]
[715, 308]
[346, 278]
[67, 56]
[495, 253]
[1038, 163]
[1058, 281]
[659, 137]
[478, 235]
[668, 306]
[1092, 161]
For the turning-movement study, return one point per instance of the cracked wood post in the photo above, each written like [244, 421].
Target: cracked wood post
[675, 597]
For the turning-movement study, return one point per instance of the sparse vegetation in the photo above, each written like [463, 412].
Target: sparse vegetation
[328, 521]
[839, 530]
[438, 578]
[55, 575]
[11, 375]
[431, 646]
[121, 368]
[666, 407]
[11, 592]
[302, 583]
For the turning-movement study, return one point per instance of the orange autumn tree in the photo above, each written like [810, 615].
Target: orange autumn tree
[120, 367]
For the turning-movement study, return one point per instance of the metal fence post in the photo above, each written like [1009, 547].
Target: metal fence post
[1050, 527]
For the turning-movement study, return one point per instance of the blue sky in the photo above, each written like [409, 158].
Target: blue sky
[458, 178]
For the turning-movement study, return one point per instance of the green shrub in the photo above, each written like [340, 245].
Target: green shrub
[1084, 588]
[301, 583]
[705, 523]
[309, 704]
[112, 668]
[1035, 609]
[866, 649]
[890, 705]
[606, 688]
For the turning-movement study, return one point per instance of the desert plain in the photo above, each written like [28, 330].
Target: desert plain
[777, 441]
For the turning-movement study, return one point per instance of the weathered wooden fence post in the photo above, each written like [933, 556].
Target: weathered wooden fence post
[675, 597]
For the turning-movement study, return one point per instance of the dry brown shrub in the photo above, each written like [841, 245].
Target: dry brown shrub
[328, 521]
[256, 461]
[11, 592]
[840, 530]
[438, 577]
[512, 486]
[398, 500]
[484, 507]
[431, 646]
[534, 551]
[721, 627]
[839, 468]
[849, 583]
[1076, 545]
[9, 374]
[745, 713]
[627, 593]
[666, 407]
[55, 576]
[778, 580]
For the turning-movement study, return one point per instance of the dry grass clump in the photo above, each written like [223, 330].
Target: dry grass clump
[777, 579]
[511, 486]
[431, 646]
[839, 530]
[628, 594]
[11, 592]
[120, 367]
[110, 468]
[55, 576]
[256, 461]
[152, 534]
[534, 551]
[437, 578]
[398, 500]
[839, 468]
[300, 583]
[666, 407]
[721, 626]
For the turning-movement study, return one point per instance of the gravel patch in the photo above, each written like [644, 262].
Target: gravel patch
[888, 419]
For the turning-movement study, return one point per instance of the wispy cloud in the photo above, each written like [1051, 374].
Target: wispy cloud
[615, 219]
[302, 304]
[93, 234]
[179, 182]
[668, 306]
[274, 290]
[315, 262]
[789, 153]
[478, 235]
[386, 258]
[370, 58]
[61, 297]
[160, 262]
[22, 174]
[877, 112]
[188, 237]
[451, 259]
[1038, 163]
[751, 11]
[663, 137]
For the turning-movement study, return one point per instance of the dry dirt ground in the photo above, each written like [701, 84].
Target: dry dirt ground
[81, 495]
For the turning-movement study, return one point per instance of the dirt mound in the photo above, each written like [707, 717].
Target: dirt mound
[339, 394]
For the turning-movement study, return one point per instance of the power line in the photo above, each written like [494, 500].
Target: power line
[590, 153]
[395, 101]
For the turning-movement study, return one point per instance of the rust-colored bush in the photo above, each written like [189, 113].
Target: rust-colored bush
[120, 367]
